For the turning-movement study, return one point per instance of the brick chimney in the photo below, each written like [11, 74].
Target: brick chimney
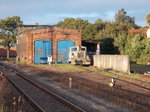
[36, 24]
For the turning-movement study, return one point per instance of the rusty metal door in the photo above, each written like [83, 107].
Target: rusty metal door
[42, 49]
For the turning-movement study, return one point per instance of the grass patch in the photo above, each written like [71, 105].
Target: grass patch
[60, 67]
[67, 66]
[21, 63]
[131, 76]
[7, 59]
[111, 73]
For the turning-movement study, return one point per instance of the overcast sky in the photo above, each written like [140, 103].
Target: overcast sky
[52, 11]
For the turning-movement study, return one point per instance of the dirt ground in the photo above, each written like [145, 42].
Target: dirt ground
[92, 74]
[127, 84]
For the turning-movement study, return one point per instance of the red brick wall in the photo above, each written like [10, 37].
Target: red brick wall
[3, 52]
[25, 48]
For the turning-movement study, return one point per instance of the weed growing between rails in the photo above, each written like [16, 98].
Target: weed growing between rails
[5, 94]
[10, 99]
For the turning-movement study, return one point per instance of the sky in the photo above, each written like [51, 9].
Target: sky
[50, 12]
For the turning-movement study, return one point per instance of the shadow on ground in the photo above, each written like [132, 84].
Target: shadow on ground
[141, 69]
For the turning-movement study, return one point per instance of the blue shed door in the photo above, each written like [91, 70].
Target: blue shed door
[42, 49]
[63, 51]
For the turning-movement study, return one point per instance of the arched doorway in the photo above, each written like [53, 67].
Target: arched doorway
[42, 49]
[63, 50]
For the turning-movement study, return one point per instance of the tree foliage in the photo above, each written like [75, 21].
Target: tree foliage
[135, 46]
[148, 19]
[122, 18]
[8, 31]
[107, 46]
[88, 30]
[114, 35]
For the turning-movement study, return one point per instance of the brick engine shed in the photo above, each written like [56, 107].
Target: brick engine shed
[34, 46]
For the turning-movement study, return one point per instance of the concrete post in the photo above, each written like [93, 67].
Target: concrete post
[98, 48]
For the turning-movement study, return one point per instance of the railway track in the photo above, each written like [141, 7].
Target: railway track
[128, 98]
[132, 83]
[125, 97]
[118, 95]
[138, 84]
[42, 99]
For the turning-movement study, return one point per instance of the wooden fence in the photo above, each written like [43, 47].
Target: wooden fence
[115, 62]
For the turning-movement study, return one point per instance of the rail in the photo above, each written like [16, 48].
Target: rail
[47, 91]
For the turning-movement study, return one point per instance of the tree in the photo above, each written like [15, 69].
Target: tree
[135, 46]
[120, 42]
[122, 18]
[79, 24]
[99, 25]
[145, 54]
[112, 29]
[73, 23]
[8, 31]
[89, 32]
[148, 19]
[107, 46]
